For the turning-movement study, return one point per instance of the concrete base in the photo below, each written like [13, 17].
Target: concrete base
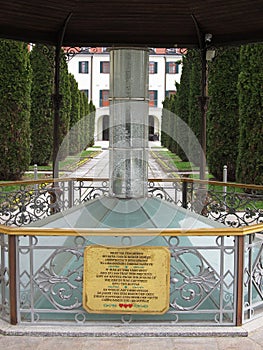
[122, 331]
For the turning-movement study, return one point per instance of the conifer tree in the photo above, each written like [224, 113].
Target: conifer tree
[168, 123]
[222, 115]
[165, 137]
[42, 113]
[65, 107]
[91, 111]
[182, 107]
[194, 121]
[74, 138]
[250, 149]
[15, 85]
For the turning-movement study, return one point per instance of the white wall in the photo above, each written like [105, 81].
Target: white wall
[95, 81]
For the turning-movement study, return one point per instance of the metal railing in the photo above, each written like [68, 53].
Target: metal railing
[234, 205]
[216, 275]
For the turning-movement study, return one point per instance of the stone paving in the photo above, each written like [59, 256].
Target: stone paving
[98, 167]
[253, 341]
[247, 337]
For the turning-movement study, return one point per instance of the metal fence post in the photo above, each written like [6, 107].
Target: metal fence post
[12, 279]
[240, 278]
[224, 187]
[35, 178]
[70, 193]
[184, 194]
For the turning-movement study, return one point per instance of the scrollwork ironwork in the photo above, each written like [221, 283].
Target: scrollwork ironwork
[63, 287]
[233, 208]
[258, 275]
[25, 205]
[191, 288]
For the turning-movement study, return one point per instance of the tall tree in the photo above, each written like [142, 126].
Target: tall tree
[15, 85]
[91, 111]
[42, 114]
[165, 123]
[250, 150]
[182, 107]
[65, 107]
[222, 115]
[74, 137]
[168, 123]
[194, 121]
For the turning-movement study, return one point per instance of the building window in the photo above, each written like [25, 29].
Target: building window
[172, 68]
[153, 67]
[104, 98]
[169, 93]
[84, 67]
[153, 98]
[104, 67]
[86, 92]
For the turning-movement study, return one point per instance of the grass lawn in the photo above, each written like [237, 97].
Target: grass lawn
[70, 163]
[165, 155]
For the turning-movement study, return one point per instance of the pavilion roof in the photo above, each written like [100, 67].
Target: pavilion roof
[155, 23]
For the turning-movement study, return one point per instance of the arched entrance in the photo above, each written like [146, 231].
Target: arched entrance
[151, 125]
[153, 128]
[105, 128]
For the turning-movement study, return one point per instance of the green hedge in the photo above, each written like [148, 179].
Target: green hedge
[42, 113]
[250, 88]
[15, 85]
[222, 115]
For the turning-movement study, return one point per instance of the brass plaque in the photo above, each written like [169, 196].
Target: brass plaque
[126, 280]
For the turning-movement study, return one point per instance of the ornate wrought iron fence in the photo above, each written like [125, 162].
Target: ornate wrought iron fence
[4, 278]
[49, 279]
[253, 276]
[234, 205]
[215, 279]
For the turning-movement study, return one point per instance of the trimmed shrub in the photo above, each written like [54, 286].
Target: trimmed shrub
[74, 138]
[65, 107]
[15, 85]
[250, 148]
[42, 113]
[222, 115]
[194, 119]
[182, 106]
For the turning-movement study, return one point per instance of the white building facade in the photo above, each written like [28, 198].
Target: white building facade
[91, 68]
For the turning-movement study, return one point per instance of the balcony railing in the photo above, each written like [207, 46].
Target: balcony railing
[216, 275]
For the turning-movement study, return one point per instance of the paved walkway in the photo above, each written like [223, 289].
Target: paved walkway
[98, 167]
[248, 337]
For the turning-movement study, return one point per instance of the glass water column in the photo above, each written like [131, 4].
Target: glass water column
[128, 144]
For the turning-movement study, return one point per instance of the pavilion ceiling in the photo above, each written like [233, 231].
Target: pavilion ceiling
[155, 23]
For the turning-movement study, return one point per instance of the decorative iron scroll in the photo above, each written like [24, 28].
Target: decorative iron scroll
[71, 52]
[202, 281]
[4, 279]
[233, 208]
[168, 193]
[87, 191]
[27, 203]
[253, 276]
[61, 285]
[189, 288]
